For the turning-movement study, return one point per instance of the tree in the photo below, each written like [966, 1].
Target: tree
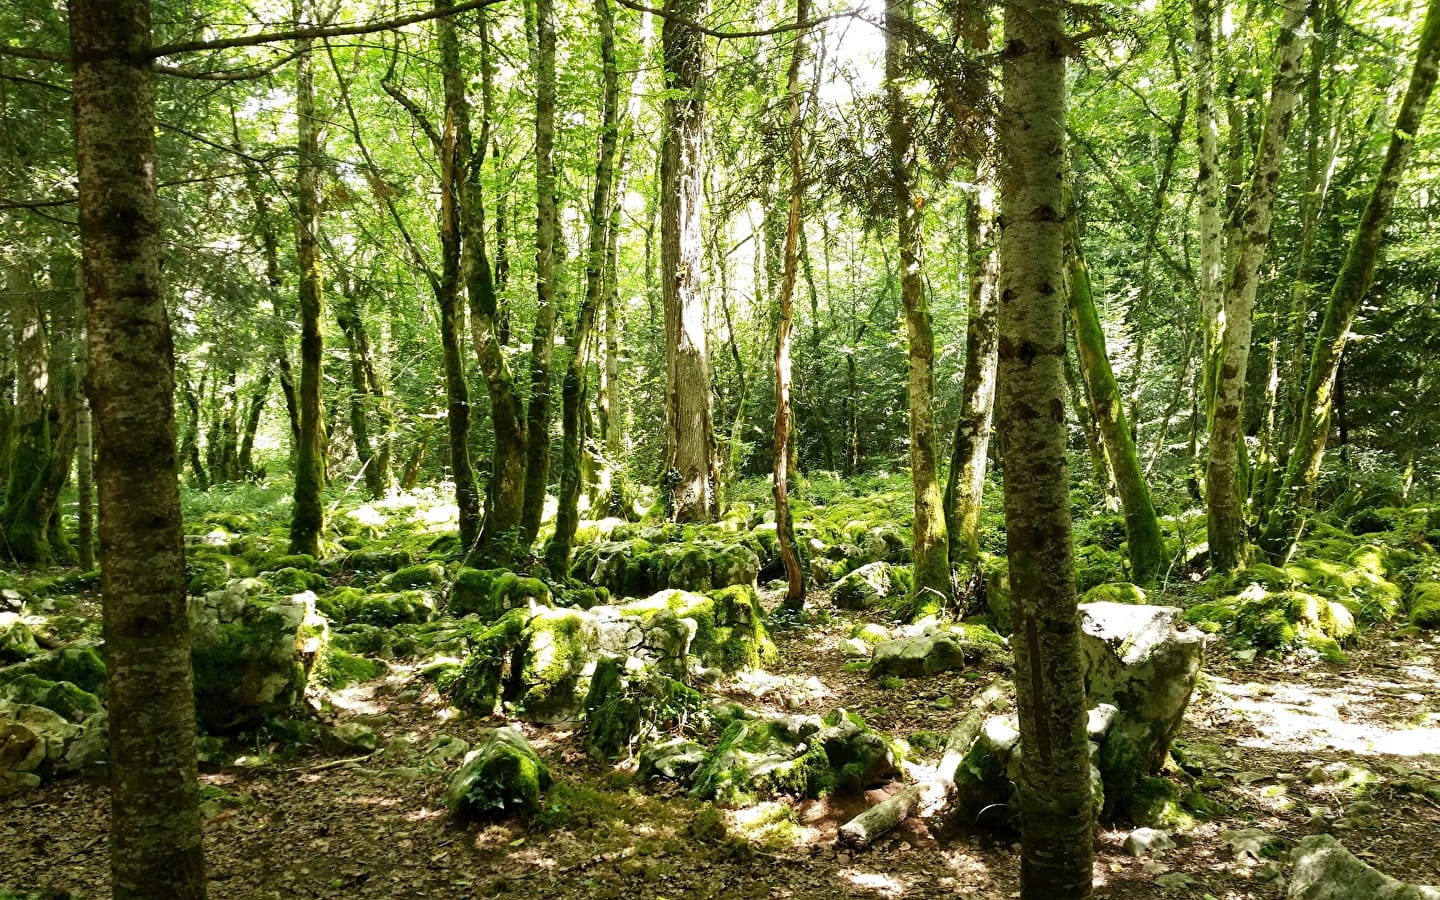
[1350, 288]
[155, 840]
[932, 586]
[691, 463]
[1224, 493]
[1056, 807]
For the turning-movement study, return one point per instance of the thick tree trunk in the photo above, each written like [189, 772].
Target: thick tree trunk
[1142, 528]
[933, 583]
[155, 840]
[573, 392]
[1057, 812]
[692, 469]
[24, 519]
[784, 328]
[1224, 492]
[308, 519]
[1351, 285]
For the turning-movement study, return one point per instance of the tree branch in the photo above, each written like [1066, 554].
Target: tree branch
[731, 35]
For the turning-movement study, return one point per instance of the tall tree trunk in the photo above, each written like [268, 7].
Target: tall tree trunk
[1142, 528]
[245, 461]
[1057, 814]
[24, 520]
[155, 839]
[692, 470]
[308, 519]
[84, 444]
[1351, 285]
[454, 159]
[64, 398]
[542, 342]
[1082, 406]
[1224, 493]
[348, 317]
[1209, 190]
[932, 578]
[784, 525]
[573, 393]
[505, 493]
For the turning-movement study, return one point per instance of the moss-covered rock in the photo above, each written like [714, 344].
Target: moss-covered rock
[1094, 565]
[292, 580]
[337, 668]
[1425, 605]
[917, 657]
[372, 561]
[625, 707]
[421, 576]
[389, 610]
[17, 641]
[1268, 577]
[869, 586]
[996, 571]
[78, 664]
[560, 652]
[503, 775]
[639, 567]
[1116, 592]
[489, 593]
[478, 686]
[62, 697]
[801, 756]
[1279, 623]
[1358, 582]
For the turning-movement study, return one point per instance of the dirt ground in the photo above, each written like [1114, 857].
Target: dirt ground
[1288, 748]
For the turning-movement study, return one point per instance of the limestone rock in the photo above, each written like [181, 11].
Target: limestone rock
[1145, 841]
[868, 586]
[17, 642]
[918, 656]
[503, 774]
[1325, 870]
[676, 759]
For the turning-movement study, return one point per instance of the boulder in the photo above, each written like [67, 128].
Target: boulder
[1425, 605]
[254, 662]
[88, 753]
[33, 741]
[490, 593]
[918, 656]
[1325, 870]
[1115, 592]
[502, 775]
[675, 759]
[639, 567]
[800, 756]
[60, 697]
[1144, 662]
[624, 707]
[869, 586]
[17, 641]
[80, 664]
[421, 576]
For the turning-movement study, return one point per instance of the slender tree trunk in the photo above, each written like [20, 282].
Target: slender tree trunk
[1142, 528]
[1057, 814]
[155, 839]
[573, 392]
[784, 525]
[308, 519]
[542, 343]
[691, 459]
[1209, 190]
[84, 445]
[1351, 286]
[245, 461]
[64, 399]
[1224, 492]
[933, 583]
[346, 318]
[1081, 405]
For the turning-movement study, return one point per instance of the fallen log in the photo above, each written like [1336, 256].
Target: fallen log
[862, 830]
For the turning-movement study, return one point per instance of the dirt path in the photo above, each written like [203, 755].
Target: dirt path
[1290, 750]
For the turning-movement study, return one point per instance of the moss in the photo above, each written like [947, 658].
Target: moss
[1155, 803]
[1115, 592]
[389, 610]
[60, 697]
[210, 571]
[378, 560]
[477, 687]
[78, 664]
[741, 638]
[755, 761]
[560, 648]
[1267, 576]
[415, 577]
[340, 604]
[17, 641]
[1425, 605]
[622, 707]
[1095, 565]
[488, 593]
[707, 826]
[290, 580]
[504, 775]
[996, 570]
[338, 668]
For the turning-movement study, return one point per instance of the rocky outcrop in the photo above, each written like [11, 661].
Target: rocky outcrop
[1325, 870]
[503, 775]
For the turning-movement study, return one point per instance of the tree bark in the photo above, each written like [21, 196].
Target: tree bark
[933, 583]
[1209, 191]
[784, 329]
[1142, 528]
[1056, 806]
[692, 465]
[1226, 455]
[308, 519]
[155, 840]
[1351, 285]
[24, 519]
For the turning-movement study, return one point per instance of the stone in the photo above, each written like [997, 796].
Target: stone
[61, 697]
[1252, 844]
[1325, 870]
[17, 641]
[918, 656]
[502, 775]
[79, 663]
[868, 586]
[1425, 605]
[1145, 841]
[854, 648]
[675, 759]
[490, 593]
[89, 752]
[1115, 592]
[349, 737]
[1144, 662]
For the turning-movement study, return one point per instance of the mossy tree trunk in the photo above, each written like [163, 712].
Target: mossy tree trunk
[573, 392]
[1142, 528]
[784, 329]
[505, 493]
[308, 519]
[1209, 190]
[1226, 456]
[542, 343]
[692, 465]
[1081, 406]
[24, 520]
[932, 577]
[63, 397]
[155, 837]
[1351, 285]
[1057, 813]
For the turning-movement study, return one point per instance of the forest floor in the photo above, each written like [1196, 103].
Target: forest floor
[1287, 748]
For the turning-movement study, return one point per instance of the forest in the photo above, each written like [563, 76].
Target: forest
[719, 449]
